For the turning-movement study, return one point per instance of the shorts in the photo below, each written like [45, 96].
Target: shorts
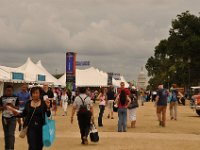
[161, 109]
[110, 105]
[132, 114]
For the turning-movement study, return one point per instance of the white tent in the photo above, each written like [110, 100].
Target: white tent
[7, 72]
[88, 78]
[92, 77]
[4, 74]
[31, 71]
[49, 77]
[117, 82]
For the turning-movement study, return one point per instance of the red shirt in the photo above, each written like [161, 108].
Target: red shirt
[126, 90]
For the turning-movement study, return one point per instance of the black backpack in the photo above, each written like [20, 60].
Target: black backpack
[83, 107]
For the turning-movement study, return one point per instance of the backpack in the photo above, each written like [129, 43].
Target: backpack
[83, 107]
[174, 96]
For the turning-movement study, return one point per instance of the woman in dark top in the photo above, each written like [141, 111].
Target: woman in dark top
[111, 99]
[34, 134]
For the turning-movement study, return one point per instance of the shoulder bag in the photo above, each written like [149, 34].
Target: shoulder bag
[23, 133]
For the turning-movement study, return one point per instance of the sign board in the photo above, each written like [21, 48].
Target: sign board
[71, 71]
[70, 63]
[82, 63]
[110, 77]
[116, 76]
[17, 76]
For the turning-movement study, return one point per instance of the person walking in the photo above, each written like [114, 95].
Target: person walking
[24, 96]
[132, 107]
[55, 102]
[161, 103]
[111, 98]
[84, 108]
[64, 101]
[102, 103]
[174, 102]
[34, 113]
[8, 118]
[47, 94]
[123, 101]
[142, 97]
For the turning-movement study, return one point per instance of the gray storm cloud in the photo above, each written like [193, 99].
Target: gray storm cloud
[116, 36]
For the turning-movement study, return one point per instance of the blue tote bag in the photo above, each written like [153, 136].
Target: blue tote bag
[48, 131]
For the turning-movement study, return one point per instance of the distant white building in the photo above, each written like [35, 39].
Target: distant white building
[142, 81]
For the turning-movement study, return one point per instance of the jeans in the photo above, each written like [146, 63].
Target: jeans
[122, 114]
[102, 108]
[9, 126]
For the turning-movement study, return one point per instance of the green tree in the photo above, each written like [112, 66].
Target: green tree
[177, 58]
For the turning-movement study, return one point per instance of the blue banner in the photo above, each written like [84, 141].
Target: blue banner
[69, 63]
[71, 71]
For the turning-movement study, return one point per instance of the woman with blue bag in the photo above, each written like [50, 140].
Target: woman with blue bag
[34, 113]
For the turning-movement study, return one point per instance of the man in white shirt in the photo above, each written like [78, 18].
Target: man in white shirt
[84, 107]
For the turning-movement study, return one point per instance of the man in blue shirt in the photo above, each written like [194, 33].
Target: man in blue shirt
[24, 96]
[161, 102]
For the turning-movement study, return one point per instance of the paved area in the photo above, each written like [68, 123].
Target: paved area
[178, 135]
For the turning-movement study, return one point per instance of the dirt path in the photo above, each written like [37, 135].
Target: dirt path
[178, 135]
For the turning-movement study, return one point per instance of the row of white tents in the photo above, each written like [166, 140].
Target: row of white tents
[30, 72]
[90, 77]
[93, 77]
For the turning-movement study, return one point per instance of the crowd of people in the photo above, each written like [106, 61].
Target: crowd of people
[29, 107]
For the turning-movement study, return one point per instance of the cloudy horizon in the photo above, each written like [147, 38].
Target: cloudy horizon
[115, 36]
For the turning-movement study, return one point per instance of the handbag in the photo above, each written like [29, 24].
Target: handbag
[48, 131]
[133, 104]
[94, 136]
[24, 131]
[115, 107]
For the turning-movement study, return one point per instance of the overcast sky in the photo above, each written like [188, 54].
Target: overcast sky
[115, 35]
